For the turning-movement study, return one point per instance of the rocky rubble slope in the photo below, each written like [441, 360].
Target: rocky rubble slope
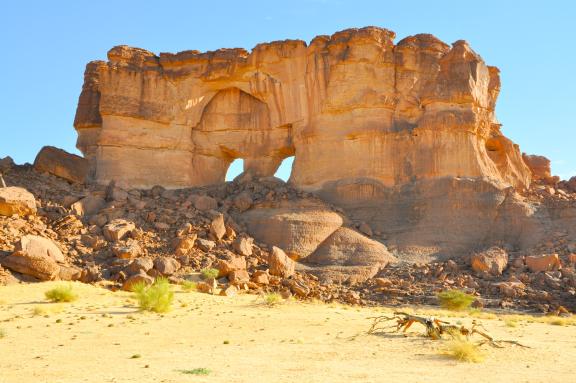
[262, 235]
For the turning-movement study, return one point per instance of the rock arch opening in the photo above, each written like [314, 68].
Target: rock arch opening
[235, 169]
[284, 171]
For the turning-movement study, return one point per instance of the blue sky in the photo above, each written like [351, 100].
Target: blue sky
[46, 45]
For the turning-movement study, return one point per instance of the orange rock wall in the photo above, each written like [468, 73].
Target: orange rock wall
[348, 106]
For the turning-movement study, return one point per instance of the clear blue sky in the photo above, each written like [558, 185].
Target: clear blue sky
[46, 45]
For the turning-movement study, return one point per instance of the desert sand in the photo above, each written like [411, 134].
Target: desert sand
[103, 337]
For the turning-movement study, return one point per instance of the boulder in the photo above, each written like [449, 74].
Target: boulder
[205, 203]
[260, 277]
[37, 265]
[69, 273]
[297, 227]
[226, 266]
[237, 277]
[62, 164]
[492, 261]
[243, 201]
[546, 262]
[185, 244]
[129, 250]
[88, 206]
[208, 286]
[166, 265]
[205, 244]
[16, 200]
[229, 291]
[243, 245]
[138, 265]
[118, 229]
[280, 264]
[137, 278]
[40, 247]
[217, 227]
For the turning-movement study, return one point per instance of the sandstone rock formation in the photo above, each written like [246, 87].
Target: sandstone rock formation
[402, 137]
[345, 105]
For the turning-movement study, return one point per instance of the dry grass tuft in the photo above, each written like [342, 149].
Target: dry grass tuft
[272, 299]
[464, 351]
[209, 273]
[64, 293]
[189, 286]
[455, 300]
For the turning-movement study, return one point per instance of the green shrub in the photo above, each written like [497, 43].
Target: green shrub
[455, 300]
[2, 333]
[196, 371]
[188, 286]
[157, 297]
[272, 299]
[209, 273]
[64, 293]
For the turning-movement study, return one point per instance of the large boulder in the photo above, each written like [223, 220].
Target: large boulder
[296, 227]
[62, 164]
[40, 247]
[492, 261]
[545, 262]
[37, 265]
[16, 200]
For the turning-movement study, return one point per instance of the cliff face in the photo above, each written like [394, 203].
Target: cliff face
[402, 136]
[352, 106]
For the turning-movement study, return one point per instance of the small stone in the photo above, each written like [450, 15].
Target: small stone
[205, 244]
[383, 282]
[229, 291]
[118, 229]
[128, 251]
[185, 244]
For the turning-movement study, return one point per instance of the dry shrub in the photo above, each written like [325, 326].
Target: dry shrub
[455, 300]
[157, 297]
[64, 293]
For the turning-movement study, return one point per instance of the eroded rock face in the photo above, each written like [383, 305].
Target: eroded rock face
[348, 106]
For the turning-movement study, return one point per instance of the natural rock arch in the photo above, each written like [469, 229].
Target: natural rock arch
[235, 124]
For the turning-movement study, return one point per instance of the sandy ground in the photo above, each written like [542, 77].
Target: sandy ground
[102, 337]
